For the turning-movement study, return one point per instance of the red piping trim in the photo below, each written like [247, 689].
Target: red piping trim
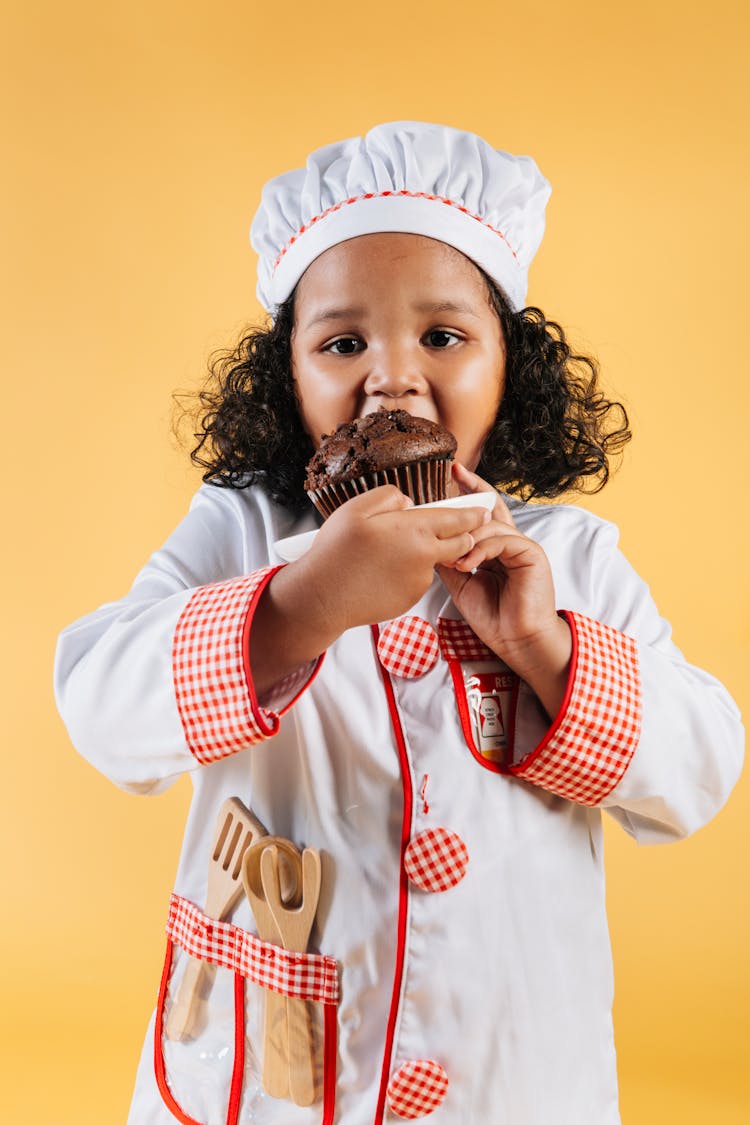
[521, 766]
[238, 1067]
[159, 1068]
[459, 688]
[403, 897]
[268, 721]
[512, 719]
[330, 1034]
[383, 195]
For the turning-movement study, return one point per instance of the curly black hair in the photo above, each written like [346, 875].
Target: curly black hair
[555, 431]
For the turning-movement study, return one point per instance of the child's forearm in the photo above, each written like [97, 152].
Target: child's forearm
[289, 629]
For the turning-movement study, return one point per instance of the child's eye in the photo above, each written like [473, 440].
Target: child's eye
[346, 345]
[442, 338]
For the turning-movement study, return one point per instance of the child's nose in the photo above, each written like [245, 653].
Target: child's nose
[395, 376]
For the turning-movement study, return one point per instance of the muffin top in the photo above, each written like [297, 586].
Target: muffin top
[383, 440]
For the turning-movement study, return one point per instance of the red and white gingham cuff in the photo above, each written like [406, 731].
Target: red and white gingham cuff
[591, 741]
[213, 683]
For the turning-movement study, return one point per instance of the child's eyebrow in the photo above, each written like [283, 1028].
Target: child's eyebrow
[335, 314]
[445, 306]
[424, 307]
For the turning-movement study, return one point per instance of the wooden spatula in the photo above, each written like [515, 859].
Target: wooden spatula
[236, 829]
[294, 924]
[275, 1034]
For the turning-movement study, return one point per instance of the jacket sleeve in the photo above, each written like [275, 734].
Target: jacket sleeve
[654, 740]
[159, 683]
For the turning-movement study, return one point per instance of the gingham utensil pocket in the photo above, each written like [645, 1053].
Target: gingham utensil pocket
[214, 1077]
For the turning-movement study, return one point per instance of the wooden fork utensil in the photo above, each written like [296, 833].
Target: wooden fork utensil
[294, 922]
[236, 829]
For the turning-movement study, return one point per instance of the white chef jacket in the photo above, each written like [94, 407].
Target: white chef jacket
[459, 966]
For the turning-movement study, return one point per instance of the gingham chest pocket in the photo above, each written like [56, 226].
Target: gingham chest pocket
[486, 694]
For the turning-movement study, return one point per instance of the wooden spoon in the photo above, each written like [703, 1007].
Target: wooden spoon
[236, 828]
[275, 1032]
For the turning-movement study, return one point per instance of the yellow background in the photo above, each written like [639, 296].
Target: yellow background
[139, 136]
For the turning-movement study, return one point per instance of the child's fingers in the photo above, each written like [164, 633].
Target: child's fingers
[469, 482]
[456, 547]
[444, 523]
[491, 529]
[384, 498]
[511, 549]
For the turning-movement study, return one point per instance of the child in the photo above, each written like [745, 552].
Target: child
[441, 701]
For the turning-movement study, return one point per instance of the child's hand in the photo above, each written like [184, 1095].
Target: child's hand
[375, 556]
[509, 599]
[371, 561]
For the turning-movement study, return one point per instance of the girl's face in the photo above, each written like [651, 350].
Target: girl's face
[400, 321]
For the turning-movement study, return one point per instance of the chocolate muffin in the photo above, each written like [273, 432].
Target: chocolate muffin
[387, 447]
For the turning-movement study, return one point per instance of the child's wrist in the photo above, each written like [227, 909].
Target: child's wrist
[305, 605]
[286, 632]
[543, 662]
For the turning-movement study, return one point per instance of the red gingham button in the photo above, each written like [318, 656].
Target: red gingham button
[408, 647]
[417, 1088]
[436, 859]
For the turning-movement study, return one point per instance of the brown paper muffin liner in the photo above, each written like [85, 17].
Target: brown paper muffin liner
[422, 481]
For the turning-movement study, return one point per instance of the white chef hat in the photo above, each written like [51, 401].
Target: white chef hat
[403, 176]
